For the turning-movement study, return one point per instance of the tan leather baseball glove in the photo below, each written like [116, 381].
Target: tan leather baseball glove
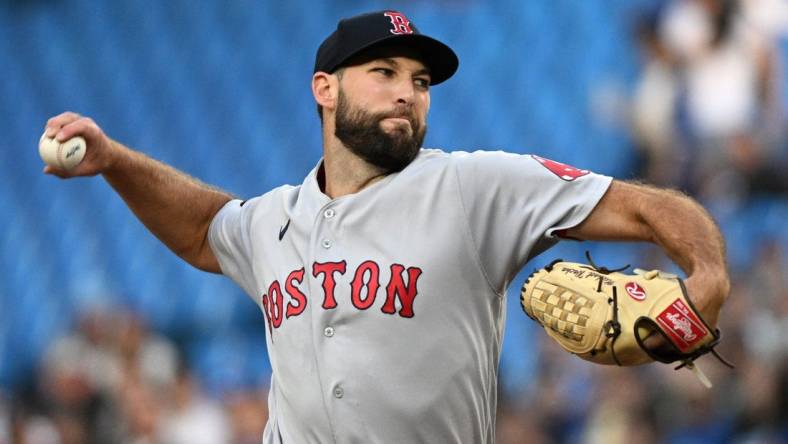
[608, 317]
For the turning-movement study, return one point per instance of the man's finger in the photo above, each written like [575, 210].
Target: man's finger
[78, 127]
[55, 123]
[657, 343]
[52, 171]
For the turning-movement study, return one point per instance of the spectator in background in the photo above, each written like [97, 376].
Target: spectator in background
[5, 420]
[654, 108]
[99, 382]
[140, 409]
[706, 108]
[622, 409]
[190, 417]
[113, 380]
[146, 356]
[80, 372]
[761, 394]
[89, 351]
[758, 416]
[248, 412]
[108, 381]
[518, 425]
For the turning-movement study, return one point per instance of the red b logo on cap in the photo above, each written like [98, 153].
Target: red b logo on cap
[400, 22]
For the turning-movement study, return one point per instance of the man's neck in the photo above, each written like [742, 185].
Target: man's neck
[345, 173]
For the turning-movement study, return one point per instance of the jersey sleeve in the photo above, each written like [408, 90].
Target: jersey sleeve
[229, 238]
[514, 204]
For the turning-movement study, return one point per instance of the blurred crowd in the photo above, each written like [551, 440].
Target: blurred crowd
[113, 380]
[708, 111]
[707, 117]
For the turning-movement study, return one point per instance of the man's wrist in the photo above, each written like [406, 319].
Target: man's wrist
[708, 290]
[114, 155]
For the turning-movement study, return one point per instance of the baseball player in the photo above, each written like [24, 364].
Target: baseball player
[382, 276]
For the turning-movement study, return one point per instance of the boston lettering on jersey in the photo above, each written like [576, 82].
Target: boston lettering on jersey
[402, 287]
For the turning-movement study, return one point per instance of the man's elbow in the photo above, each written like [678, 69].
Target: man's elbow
[210, 265]
[201, 258]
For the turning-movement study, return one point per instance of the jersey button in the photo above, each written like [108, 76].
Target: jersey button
[328, 332]
[338, 392]
[329, 213]
[326, 243]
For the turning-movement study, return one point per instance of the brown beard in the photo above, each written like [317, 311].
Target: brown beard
[361, 133]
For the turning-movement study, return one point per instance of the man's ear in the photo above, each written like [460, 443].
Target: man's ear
[325, 89]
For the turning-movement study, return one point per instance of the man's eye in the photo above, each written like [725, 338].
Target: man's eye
[422, 83]
[385, 71]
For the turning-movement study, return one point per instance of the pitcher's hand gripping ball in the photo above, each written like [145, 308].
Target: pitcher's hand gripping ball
[66, 155]
[605, 316]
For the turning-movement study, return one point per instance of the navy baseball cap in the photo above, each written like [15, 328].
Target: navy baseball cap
[375, 29]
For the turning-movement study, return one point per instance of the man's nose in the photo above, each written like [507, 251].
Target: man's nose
[405, 92]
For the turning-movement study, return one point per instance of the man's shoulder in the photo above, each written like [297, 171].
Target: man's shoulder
[273, 196]
[427, 154]
[437, 158]
[430, 155]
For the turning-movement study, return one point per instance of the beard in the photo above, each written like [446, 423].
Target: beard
[361, 133]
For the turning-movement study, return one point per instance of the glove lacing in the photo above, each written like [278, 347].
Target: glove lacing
[613, 326]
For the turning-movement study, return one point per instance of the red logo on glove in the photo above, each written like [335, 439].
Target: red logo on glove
[682, 325]
[565, 172]
[635, 291]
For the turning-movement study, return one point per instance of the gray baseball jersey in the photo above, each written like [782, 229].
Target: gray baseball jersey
[385, 308]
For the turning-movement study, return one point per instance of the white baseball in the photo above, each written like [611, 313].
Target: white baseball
[64, 155]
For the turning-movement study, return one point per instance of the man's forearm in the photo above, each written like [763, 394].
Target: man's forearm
[689, 236]
[678, 224]
[675, 222]
[683, 229]
[175, 207]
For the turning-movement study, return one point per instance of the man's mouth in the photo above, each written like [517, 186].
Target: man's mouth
[399, 120]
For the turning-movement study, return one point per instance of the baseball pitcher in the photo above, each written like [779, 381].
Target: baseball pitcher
[382, 276]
